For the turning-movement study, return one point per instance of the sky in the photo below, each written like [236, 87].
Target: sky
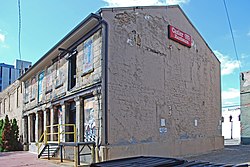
[44, 23]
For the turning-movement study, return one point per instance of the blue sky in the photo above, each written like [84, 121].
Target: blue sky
[45, 22]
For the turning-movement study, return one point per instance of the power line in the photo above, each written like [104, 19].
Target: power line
[230, 26]
[19, 29]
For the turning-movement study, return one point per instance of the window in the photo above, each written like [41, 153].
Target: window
[40, 86]
[17, 96]
[88, 55]
[1, 69]
[33, 89]
[49, 79]
[4, 106]
[59, 75]
[10, 74]
[26, 92]
[72, 70]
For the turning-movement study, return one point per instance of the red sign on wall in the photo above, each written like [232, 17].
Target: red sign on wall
[179, 36]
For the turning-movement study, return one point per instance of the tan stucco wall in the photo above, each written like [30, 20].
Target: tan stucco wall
[152, 78]
[11, 103]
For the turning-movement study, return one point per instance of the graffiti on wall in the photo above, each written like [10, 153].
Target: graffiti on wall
[89, 120]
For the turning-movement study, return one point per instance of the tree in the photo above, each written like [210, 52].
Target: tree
[6, 135]
[1, 130]
[14, 135]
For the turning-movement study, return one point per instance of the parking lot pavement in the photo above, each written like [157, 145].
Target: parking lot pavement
[231, 154]
[23, 158]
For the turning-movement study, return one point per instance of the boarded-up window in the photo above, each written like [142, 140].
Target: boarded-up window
[40, 86]
[26, 92]
[88, 55]
[49, 79]
[59, 75]
[33, 89]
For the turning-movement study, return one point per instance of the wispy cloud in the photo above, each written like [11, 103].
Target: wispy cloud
[119, 3]
[174, 2]
[230, 97]
[244, 56]
[2, 38]
[228, 65]
[231, 93]
[248, 34]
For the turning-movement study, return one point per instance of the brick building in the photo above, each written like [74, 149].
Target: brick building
[136, 80]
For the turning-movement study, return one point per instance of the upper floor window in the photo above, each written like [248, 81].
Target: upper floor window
[59, 75]
[88, 56]
[26, 92]
[33, 89]
[49, 79]
[40, 86]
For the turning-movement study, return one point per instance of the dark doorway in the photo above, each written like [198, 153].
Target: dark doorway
[71, 119]
[40, 125]
[32, 127]
[48, 123]
[55, 123]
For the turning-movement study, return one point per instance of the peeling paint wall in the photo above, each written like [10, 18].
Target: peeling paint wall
[160, 92]
[245, 109]
[55, 81]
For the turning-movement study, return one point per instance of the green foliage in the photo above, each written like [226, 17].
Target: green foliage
[1, 130]
[10, 135]
[14, 135]
[6, 135]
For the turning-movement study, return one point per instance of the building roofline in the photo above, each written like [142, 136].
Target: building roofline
[88, 18]
[7, 65]
[135, 7]
[160, 6]
[196, 31]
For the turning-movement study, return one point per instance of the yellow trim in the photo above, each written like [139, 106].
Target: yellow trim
[40, 142]
[58, 133]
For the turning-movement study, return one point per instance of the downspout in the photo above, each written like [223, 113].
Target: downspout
[105, 90]
[103, 122]
[103, 22]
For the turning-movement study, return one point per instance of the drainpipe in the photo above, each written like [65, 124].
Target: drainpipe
[105, 24]
[104, 121]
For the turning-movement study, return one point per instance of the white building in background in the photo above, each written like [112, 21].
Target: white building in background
[9, 73]
[231, 129]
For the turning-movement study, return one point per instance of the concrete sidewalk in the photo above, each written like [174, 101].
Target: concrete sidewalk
[231, 154]
[23, 158]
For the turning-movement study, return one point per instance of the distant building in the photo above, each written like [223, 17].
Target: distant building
[9, 73]
[245, 107]
[231, 127]
[11, 103]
